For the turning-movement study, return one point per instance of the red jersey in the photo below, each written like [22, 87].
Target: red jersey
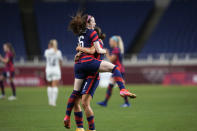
[9, 66]
[119, 57]
[86, 39]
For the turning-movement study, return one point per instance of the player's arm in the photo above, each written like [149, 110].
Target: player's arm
[77, 56]
[86, 50]
[61, 63]
[98, 48]
[60, 59]
[95, 38]
[4, 60]
[111, 58]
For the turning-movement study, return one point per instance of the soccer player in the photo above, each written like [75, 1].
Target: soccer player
[83, 26]
[53, 70]
[90, 84]
[115, 57]
[8, 73]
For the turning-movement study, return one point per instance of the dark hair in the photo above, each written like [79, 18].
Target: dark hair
[11, 48]
[99, 32]
[78, 23]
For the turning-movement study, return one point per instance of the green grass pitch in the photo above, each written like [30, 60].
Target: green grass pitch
[156, 108]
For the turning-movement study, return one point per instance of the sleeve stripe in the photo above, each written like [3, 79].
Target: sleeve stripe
[101, 45]
[96, 38]
[93, 33]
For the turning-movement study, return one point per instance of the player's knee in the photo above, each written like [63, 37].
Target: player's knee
[85, 104]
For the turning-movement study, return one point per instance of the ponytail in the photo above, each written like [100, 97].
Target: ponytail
[54, 44]
[120, 44]
[78, 23]
[101, 35]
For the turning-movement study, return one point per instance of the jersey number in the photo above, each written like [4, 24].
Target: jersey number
[80, 39]
[52, 62]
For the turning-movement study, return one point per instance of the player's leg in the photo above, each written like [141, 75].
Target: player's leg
[71, 101]
[78, 114]
[126, 101]
[12, 85]
[49, 92]
[88, 92]
[108, 93]
[56, 76]
[86, 98]
[78, 82]
[2, 96]
[54, 91]
[109, 67]
[49, 88]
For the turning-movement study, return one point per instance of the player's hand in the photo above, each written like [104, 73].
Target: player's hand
[78, 48]
[77, 56]
[105, 51]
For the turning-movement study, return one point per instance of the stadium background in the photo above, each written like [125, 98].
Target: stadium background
[160, 38]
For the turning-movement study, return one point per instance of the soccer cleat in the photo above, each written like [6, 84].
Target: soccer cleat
[124, 92]
[11, 98]
[102, 104]
[67, 122]
[2, 96]
[125, 105]
[80, 129]
[91, 130]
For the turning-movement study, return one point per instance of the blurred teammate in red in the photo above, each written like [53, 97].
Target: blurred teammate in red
[115, 57]
[8, 72]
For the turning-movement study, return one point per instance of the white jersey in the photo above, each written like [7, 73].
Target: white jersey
[53, 60]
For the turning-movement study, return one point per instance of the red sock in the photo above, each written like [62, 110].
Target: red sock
[71, 102]
[79, 119]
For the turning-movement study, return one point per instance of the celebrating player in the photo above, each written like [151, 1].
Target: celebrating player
[117, 46]
[8, 73]
[83, 27]
[91, 82]
[53, 71]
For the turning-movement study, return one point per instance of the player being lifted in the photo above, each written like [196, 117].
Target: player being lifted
[83, 26]
[53, 70]
[115, 57]
[8, 72]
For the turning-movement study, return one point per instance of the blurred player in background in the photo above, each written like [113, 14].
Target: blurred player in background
[8, 72]
[115, 57]
[53, 70]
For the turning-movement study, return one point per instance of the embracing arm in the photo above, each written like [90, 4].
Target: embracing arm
[86, 50]
[99, 49]
[77, 56]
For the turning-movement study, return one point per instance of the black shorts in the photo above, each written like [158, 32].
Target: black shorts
[8, 74]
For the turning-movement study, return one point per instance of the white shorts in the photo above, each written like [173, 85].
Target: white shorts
[53, 75]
